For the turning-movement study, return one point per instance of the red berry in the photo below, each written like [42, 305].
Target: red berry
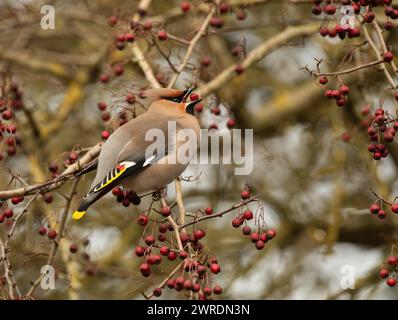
[184, 237]
[171, 283]
[254, 237]
[118, 69]
[384, 273]
[199, 234]
[185, 6]
[344, 90]
[271, 233]
[139, 251]
[206, 61]
[231, 123]
[145, 269]
[374, 208]
[1, 218]
[209, 211]
[392, 260]
[215, 268]
[102, 106]
[248, 215]
[323, 80]
[157, 292]
[165, 211]
[239, 69]
[73, 247]
[217, 289]
[330, 9]
[245, 194]
[241, 15]
[172, 256]
[236, 222]
[199, 107]
[117, 191]
[394, 207]
[388, 56]
[42, 231]
[183, 255]
[105, 116]
[260, 245]
[129, 37]
[48, 198]
[194, 97]
[216, 22]
[391, 282]
[150, 239]
[143, 221]
[246, 230]
[104, 78]
[188, 284]
[8, 213]
[162, 35]
[52, 234]
[164, 251]
[147, 25]
[207, 291]
[224, 7]
[381, 214]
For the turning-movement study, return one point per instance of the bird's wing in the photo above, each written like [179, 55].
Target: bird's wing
[113, 178]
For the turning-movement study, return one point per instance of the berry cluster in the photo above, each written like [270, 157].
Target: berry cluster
[339, 94]
[126, 197]
[259, 234]
[362, 8]
[8, 213]
[389, 271]
[382, 129]
[51, 234]
[377, 209]
[10, 102]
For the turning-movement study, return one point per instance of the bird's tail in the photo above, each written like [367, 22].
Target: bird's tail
[82, 209]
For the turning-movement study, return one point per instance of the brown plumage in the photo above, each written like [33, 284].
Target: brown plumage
[126, 148]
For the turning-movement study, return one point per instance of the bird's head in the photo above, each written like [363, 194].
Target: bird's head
[173, 95]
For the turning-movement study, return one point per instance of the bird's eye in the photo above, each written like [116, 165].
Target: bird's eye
[174, 99]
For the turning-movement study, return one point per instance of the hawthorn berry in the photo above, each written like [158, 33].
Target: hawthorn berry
[216, 22]
[246, 230]
[207, 291]
[139, 251]
[188, 284]
[157, 292]
[2, 218]
[384, 273]
[165, 211]
[150, 239]
[8, 213]
[162, 35]
[217, 289]
[224, 7]
[145, 269]
[260, 245]
[184, 237]
[105, 116]
[245, 194]
[48, 198]
[129, 37]
[194, 96]
[236, 222]
[215, 268]
[391, 282]
[206, 61]
[239, 69]
[254, 237]
[199, 234]
[73, 247]
[185, 6]
[394, 207]
[171, 283]
[118, 69]
[388, 56]
[375, 208]
[248, 215]
[117, 191]
[381, 214]
[51, 234]
[172, 256]
[330, 9]
[323, 80]
[42, 231]
[208, 211]
[241, 15]
[392, 260]
[164, 251]
[183, 255]
[271, 233]
[142, 220]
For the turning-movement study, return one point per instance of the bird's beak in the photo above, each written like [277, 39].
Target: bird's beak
[186, 93]
[190, 107]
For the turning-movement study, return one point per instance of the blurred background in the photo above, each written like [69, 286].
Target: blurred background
[312, 169]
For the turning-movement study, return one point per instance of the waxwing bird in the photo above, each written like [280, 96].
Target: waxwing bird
[124, 159]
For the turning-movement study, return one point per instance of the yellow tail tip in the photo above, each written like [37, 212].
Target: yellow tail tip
[78, 215]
